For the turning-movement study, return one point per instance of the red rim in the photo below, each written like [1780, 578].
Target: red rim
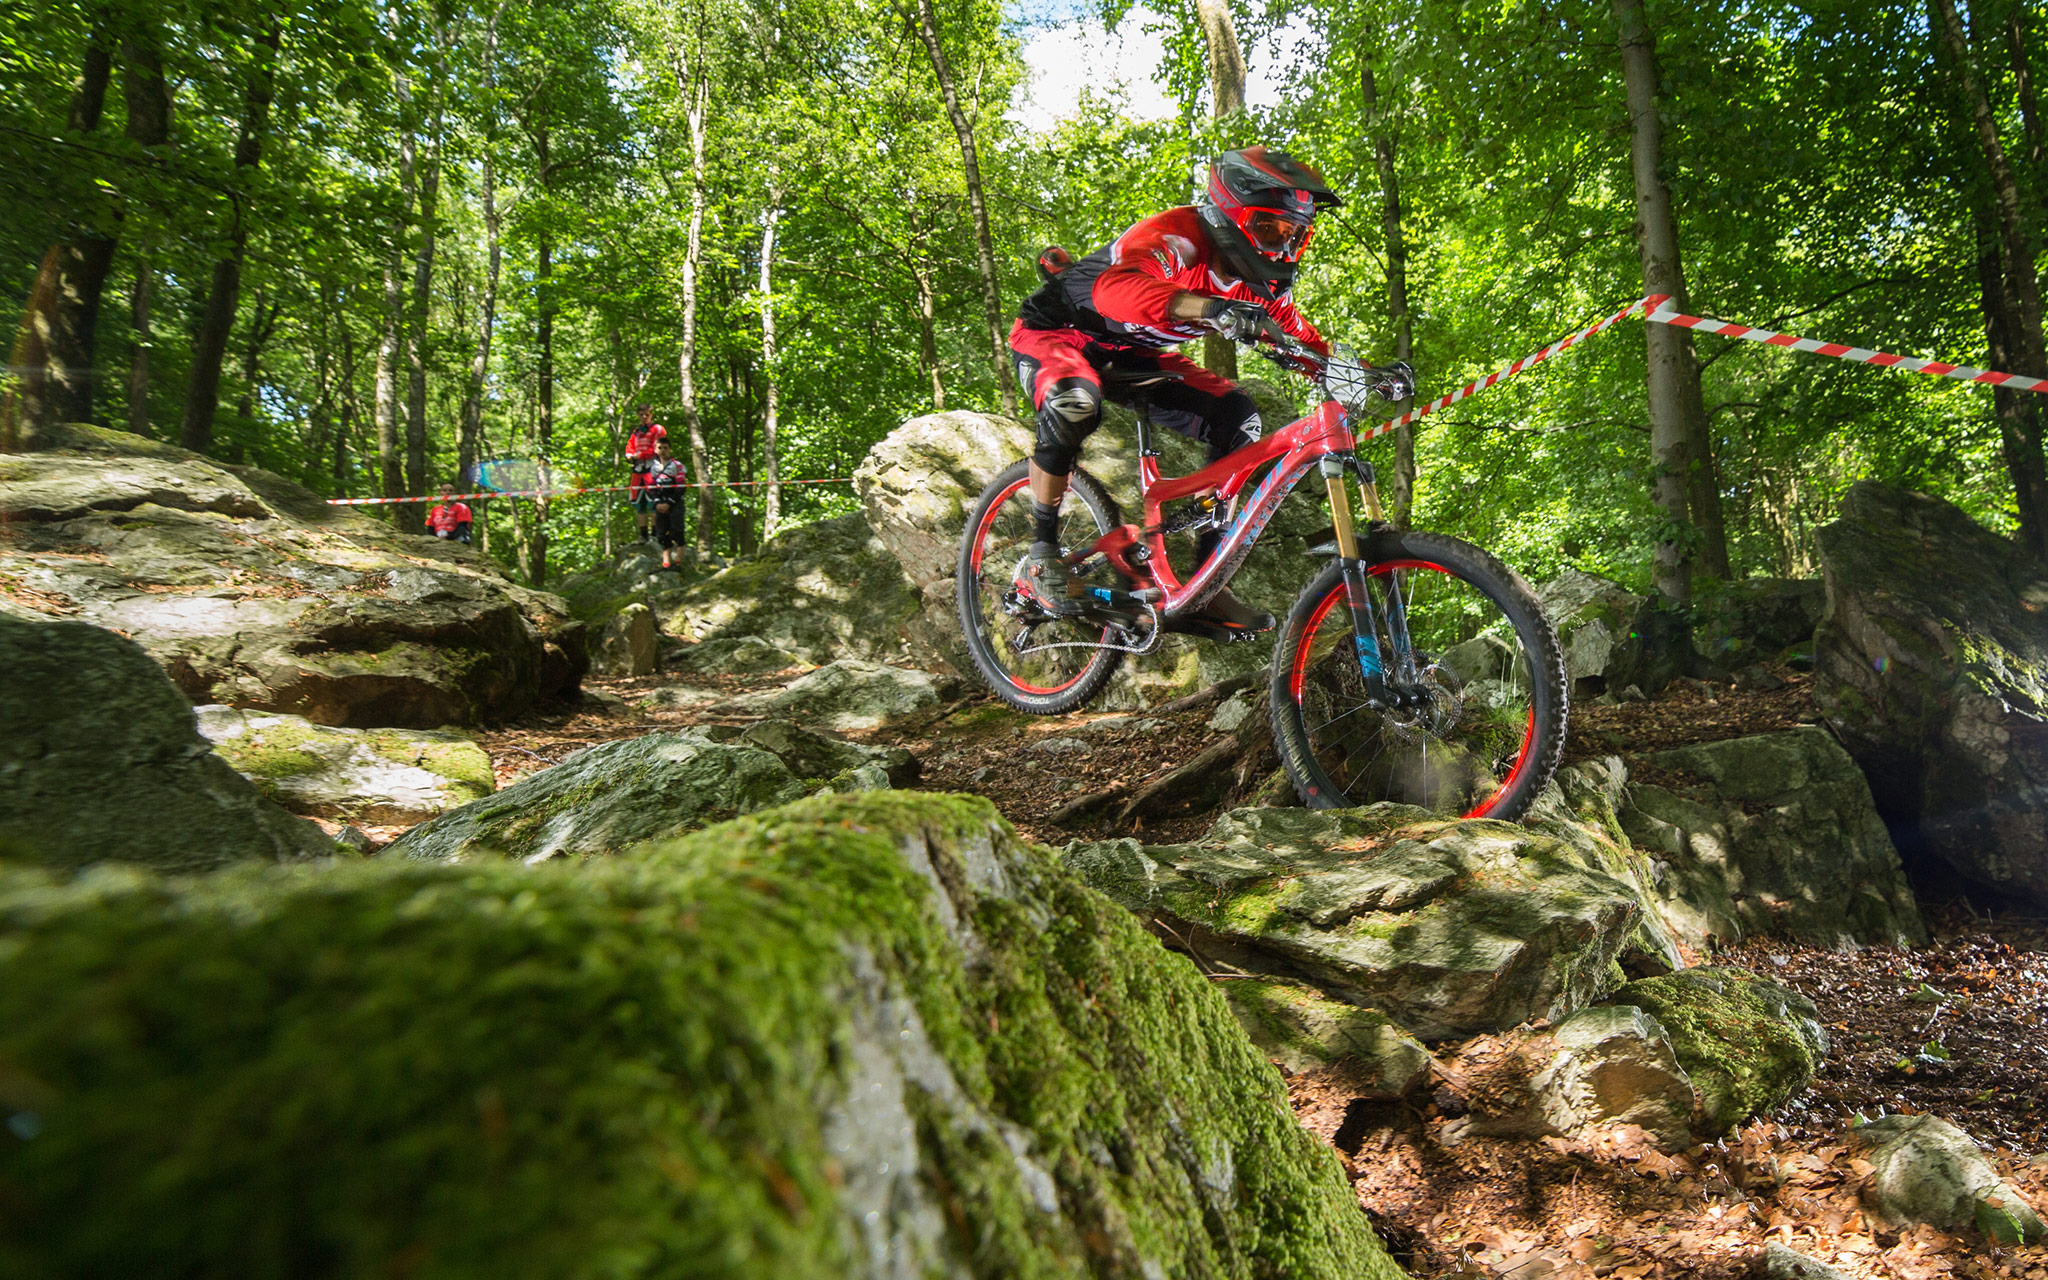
[981, 541]
[1299, 675]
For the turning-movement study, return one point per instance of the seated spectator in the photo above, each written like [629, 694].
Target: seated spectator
[449, 519]
[640, 454]
[666, 485]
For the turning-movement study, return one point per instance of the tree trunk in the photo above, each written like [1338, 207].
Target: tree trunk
[696, 94]
[771, 516]
[1401, 500]
[544, 376]
[202, 395]
[1226, 98]
[413, 516]
[2018, 298]
[480, 362]
[83, 262]
[2023, 85]
[391, 335]
[984, 243]
[138, 361]
[1685, 487]
[927, 305]
[262, 323]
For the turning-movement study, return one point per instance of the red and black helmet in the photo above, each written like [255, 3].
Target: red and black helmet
[1268, 199]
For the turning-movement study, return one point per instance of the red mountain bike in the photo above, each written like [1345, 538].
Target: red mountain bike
[1415, 667]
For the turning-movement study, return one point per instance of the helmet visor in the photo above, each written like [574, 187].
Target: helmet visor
[1276, 234]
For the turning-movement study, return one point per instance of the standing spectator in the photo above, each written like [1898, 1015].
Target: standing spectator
[449, 519]
[640, 451]
[665, 489]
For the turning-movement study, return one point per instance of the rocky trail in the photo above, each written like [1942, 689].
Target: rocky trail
[1756, 988]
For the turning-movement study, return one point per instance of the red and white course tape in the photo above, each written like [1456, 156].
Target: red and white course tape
[570, 493]
[1862, 355]
[1498, 375]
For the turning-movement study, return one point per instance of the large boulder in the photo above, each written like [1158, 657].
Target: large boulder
[817, 592]
[1739, 623]
[1599, 1069]
[1770, 834]
[252, 592]
[1450, 927]
[100, 761]
[358, 775]
[608, 797]
[864, 1036]
[1932, 667]
[1613, 638]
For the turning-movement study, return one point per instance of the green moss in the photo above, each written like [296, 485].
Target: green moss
[622, 1068]
[465, 765]
[271, 754]
[1747, 1044]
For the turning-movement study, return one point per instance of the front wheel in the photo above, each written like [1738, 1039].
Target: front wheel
[1472, 723]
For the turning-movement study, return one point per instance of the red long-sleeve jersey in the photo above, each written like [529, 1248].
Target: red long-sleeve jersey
[1122, 293]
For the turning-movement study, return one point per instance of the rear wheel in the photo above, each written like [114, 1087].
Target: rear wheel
[1034, 662]
[1481, 720]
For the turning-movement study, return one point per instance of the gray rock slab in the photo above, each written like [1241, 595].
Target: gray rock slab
[607, 799]
[356, 775]
[850, 694]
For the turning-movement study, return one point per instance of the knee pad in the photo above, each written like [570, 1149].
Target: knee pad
[1069, 414]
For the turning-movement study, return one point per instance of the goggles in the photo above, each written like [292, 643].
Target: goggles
[1276, 234]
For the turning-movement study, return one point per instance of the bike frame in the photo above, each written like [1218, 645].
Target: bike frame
[1322, 441]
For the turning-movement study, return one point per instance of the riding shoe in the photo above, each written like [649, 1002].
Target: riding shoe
[1226, 610]
[1051, 581]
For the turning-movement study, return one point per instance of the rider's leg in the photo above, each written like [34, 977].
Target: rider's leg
[1067, 394]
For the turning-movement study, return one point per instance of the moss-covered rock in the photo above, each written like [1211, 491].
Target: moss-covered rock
[851, 694]
[250, 591]
[359, 775]
[1747, 1044]
[608, 797]
[1450, 927]
[1600, 1068]
[858, 1036]
[100, 761]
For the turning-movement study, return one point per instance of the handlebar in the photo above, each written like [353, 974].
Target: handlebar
[1392, 382]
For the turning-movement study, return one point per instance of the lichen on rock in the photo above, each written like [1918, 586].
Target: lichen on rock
[1746, 1043]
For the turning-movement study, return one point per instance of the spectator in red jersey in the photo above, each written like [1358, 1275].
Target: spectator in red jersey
[665, 489]
[640, 447]
[449, 519]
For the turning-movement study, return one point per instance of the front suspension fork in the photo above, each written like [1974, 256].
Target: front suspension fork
[1372, 659]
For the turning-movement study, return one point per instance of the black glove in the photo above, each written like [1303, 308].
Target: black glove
[1236, 320]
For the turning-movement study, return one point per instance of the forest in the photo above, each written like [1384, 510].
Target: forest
[368, 247]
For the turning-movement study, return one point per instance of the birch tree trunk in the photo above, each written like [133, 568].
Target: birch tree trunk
[919, 264]
[1401, 500]
[202, 395]
[696, 94]
[413, 515]
[770, 473]
[391, 334]
[1226, 98]
[471, 425]
[2013, 308]
[984, 243]
[1685, 488]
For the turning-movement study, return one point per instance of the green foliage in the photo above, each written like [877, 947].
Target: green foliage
[1823, 175]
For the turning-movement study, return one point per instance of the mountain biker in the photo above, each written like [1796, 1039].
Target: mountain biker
[450, 519]
[1224, 266]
